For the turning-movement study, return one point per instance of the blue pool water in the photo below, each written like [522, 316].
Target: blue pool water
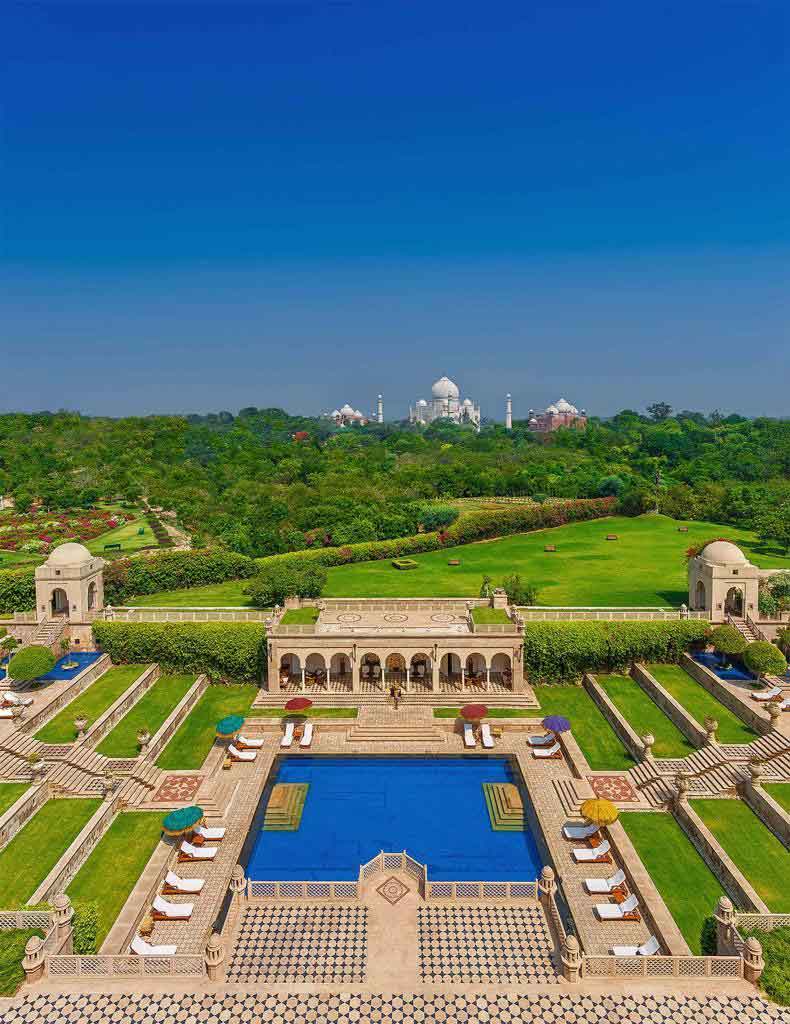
[713, 662]
[433, 808]
[83, 659]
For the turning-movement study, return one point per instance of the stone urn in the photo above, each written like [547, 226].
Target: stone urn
[80, 724]
[143, 738]
[37, 769]
[647, 743]
[756, 773]
[711, 725]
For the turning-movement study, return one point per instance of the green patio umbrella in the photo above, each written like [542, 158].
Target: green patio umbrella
[229, 726]
[177, 822]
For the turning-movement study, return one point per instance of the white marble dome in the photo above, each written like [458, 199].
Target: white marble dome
[69, 554]
[422, 402]
[552, 408]
[724, 552]
[347, 410]
[444, 388]
[564, 406]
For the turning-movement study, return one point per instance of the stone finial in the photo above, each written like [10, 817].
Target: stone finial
[724, 910]
[237, 880]
[547, 883]
[753, 962]
[682, 782]
[143, 738]
[214, 956]
[33, 960]
[62, 916]
[774, 709]
[79, 724]
[647, 744]
[571, 958]
[711, 725]
[756, 771]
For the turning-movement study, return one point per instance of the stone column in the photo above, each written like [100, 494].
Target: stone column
[435, 662]
[33, 961]
[215, 956]
[62, 916]
[724, 917]
[647, 743]
[238, 884]
[775, 711]
[753, 962]
[546, 885]
[711, 725]
[356, 684]
[407, 678]
[571, 959]
[304, 684]
[488, 678]
[463, 675]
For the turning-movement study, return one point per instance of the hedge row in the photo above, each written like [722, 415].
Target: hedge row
[479, 524]
[225, 650]
[17, 590]
[173, 570]
[561, 652]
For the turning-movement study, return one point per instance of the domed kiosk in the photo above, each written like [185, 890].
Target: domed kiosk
[722, 581]
[70, 584]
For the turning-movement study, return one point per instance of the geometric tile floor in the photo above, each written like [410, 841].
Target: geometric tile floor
[320, 945]
[484, 945]
[613, 787]
[405, 1008]
[178, 788]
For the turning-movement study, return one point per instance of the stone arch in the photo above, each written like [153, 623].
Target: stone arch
[733, 602]
[475, 664]
[370, 668]
[450, 668]
[290, 669]
[92, 590]
[340, 667]
[395, 668]
[502, 670]
[700, 596]
[59, 601]
[421, 670]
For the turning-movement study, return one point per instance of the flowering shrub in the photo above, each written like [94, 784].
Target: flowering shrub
[47, 532]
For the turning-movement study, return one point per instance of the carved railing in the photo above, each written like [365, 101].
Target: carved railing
[120, 967]
[76, 687]
[754, 627]
[761, 922]
[534, 613]
[152, 614]
[721, 967]
[302, 890]
[481, 891]
[12, 919]
[19, 813]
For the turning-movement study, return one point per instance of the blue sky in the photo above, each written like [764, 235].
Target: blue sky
[294, 203]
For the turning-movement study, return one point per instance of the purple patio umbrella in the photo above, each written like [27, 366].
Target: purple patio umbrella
[556, 723]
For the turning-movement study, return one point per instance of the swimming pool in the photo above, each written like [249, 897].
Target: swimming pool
[433, 808]
[713, 662]
[82, 659]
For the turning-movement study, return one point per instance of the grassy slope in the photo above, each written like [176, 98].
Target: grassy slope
[92, 703]
[113, 868]
[644, 567]
[498, 616]
[780, 791]
[756, 850]
[699, 703]
[217, 595]
[644, 716]
[127, 536]
[193, 739]
[12, 950]
[597, 739]
[10, 792]
[149, 712]
[36, 848]
[669, 855]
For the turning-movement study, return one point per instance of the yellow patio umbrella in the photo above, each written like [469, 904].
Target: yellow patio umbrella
[599, 811]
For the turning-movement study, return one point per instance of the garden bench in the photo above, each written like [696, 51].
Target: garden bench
[112, 547]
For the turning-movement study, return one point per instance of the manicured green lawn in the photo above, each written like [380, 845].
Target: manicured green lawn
[113, 868]
[309, 713]
[644, 716]
[37, 847]
[756, 850]
[699, 703]
[688, 886]
[644, 567]
[92, 703]
[492, 713]
[149, 712]
[193, 739]
[10, 792]
[598, 741]
[498, 616]
[780, 791]
[12, 950]
[775, 979]
[300, 616]
[127, 536]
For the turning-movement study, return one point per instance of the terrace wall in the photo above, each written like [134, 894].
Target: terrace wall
[771, 813]
[675, 711]
[703, 675]
[625, 732]
[79, 683]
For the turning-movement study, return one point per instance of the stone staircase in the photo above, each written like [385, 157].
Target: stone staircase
[141, 784]
[419, 734]
[412, 699]
[49, 632]
[744, 629]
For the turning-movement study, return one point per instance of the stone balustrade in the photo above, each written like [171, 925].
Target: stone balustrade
[535, 613]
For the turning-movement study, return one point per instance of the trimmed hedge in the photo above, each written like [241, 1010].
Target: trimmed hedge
[226, 650]
[17, 590]
[173, 570]
[561, 652]
[31, 663]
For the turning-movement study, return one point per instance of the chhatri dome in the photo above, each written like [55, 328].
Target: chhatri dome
[723, 552]
[69, 554]
[445, 388]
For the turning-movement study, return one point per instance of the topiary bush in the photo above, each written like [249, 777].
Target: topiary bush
[297, 578]
[727, 640]
[561, 652]
[404, 563]
[230, 650]
[17, 589]
[763, 659]
[30, 663]
[173, 570]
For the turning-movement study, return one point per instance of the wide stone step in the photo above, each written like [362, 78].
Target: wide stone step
[395, 734]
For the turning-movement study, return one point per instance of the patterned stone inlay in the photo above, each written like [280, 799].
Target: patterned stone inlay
[613, 787]
[348, 617]
[395, 617]
[178, 788]
[393, 890]
[320, 944]
[443, 617]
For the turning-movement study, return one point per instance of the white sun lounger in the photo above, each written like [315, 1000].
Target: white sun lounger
[649, 948]
[542, 741]
[579, 831]
[241, 755]
[185, 885]
[251, 744]
[597, 886]
[551, 751]
[212, 834]
[13, 698]
[785, 704]
[768, 694]
[469, 735]
[307, 735]
[485, 735]
[617, 911]
[143, 948]
[598, 853]
[172, 911]
[198, 852]
[288, 735]
[6, 713]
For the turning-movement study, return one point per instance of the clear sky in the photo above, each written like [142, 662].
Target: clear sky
[296, 203]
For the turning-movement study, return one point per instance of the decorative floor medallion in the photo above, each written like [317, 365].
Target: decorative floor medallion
[613, 787]
[443, 617]
[348, 617]
[179, 788]
[393, 890]
[395, 617]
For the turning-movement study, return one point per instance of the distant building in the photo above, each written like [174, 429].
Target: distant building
[559, 414]
[445, 403]
[347, 417]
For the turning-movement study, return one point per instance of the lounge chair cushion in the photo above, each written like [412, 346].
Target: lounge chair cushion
[592, 855]
[190, 885]
[253, 744]
[241, 755]
[198, 852]
[143, 948]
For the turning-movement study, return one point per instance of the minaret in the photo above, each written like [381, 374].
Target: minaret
[380, 410]
[508, 412]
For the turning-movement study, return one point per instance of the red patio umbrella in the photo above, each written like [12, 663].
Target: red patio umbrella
[473, 712]
[298, 704]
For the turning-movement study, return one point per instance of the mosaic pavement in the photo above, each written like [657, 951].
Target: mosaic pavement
[318, 945]
[484, 945]
[408, 1008]
[179, 788]
[613, 787]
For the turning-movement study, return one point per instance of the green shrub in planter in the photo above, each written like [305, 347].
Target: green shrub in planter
[30, 663]
[404, 563]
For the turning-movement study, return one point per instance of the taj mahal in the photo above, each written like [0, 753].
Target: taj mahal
[445, 403]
